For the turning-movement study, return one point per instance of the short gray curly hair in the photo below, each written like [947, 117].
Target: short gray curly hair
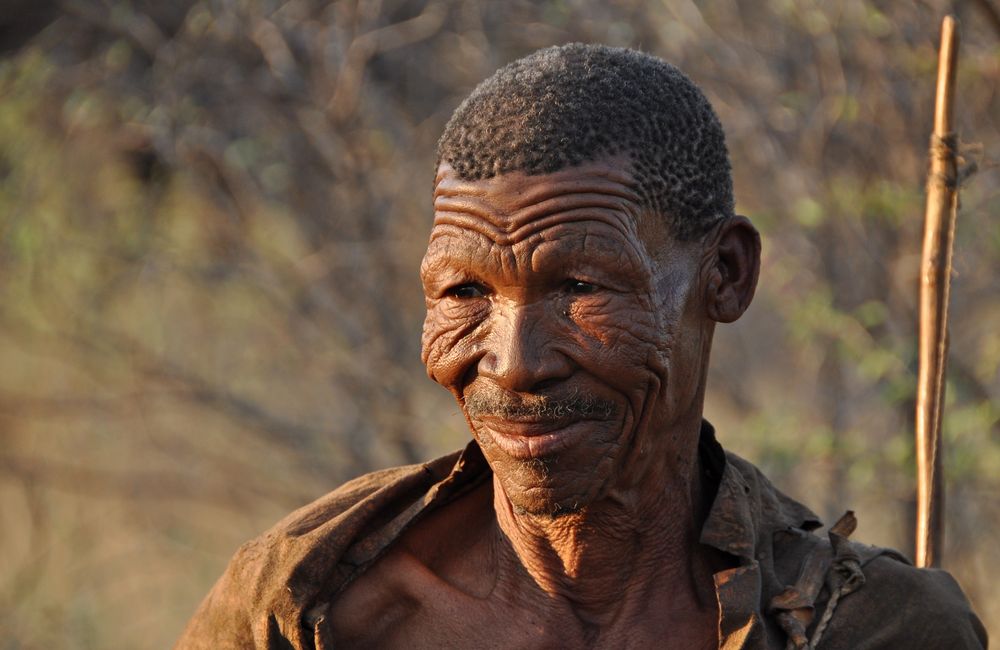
[566, 105]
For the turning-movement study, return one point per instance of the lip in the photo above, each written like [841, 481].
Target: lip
[527, 439]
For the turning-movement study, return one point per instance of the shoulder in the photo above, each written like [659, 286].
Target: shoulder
[442, 563]
[375, 604]
[331, 524]
[272, 579]
[901, 606]
[772, 509]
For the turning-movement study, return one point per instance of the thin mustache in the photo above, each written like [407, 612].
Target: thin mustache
[503, 405]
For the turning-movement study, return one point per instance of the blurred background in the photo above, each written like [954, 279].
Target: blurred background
[212, 214]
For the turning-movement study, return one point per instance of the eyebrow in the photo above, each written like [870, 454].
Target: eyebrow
[582, 250]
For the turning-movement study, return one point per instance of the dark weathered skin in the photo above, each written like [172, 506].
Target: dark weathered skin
[557, 289]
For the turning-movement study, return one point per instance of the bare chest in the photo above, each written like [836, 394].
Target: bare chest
[435, 627]
[411, 609]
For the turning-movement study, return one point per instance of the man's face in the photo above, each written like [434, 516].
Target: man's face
[555, 328]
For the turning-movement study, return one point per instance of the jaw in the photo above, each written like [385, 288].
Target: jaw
[653, 461]
[551, 484]
[590, 461]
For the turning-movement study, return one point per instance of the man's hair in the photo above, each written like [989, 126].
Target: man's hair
[567, 105]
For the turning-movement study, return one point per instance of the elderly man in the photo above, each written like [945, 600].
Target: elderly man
[584, 246]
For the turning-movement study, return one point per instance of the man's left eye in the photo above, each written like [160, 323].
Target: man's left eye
[579, 287]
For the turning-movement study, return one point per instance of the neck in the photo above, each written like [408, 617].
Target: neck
[617, 553]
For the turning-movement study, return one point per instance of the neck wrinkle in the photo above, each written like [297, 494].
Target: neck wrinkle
[611, 556]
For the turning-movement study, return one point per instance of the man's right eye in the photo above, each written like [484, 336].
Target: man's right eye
[467, 291]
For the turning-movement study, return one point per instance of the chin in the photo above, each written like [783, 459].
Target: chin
[543, 496]
[554, 485]
[552, 510]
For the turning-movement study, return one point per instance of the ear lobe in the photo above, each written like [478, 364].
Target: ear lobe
[733, 267]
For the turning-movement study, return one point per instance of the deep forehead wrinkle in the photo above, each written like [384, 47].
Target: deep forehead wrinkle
[515, 206]
[461, 221]
[578, 244]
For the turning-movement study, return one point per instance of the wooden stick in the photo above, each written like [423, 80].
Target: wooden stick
[935, 281]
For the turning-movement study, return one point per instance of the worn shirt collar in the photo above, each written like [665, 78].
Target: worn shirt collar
[746, 506]
[745, 512]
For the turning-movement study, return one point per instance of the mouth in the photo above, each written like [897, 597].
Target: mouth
[526, 427]
[527, 438]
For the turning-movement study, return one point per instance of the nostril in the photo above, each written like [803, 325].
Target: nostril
[469, 376]
[545, 384]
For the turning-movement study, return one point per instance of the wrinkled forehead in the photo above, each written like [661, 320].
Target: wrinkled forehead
[514, 205]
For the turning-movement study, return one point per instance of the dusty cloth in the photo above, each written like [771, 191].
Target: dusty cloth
[789, 588]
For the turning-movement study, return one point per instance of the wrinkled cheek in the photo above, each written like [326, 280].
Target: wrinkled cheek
[429, 352]
[639, 364]
[446, 351]
[627, 356]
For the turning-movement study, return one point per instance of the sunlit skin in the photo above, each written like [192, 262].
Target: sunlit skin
[574, 332]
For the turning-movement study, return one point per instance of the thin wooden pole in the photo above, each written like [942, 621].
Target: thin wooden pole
[935, 282]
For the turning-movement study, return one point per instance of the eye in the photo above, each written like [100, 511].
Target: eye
[467, 291]
[579, 287]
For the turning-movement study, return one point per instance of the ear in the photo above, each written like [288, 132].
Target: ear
[732, 263]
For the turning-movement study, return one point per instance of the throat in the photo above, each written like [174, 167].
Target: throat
[609, 562]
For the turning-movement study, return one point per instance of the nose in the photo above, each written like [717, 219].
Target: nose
[525, 350]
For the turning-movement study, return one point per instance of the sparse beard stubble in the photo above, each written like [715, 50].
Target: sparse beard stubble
[496, 403]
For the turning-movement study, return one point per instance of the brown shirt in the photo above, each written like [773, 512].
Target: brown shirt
[788, 587]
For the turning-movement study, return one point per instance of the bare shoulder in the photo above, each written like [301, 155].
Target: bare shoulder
[901, 606]
[428, 572]
[375, 604]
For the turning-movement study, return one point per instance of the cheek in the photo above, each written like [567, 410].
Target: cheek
[620, 332]
[448, 342]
